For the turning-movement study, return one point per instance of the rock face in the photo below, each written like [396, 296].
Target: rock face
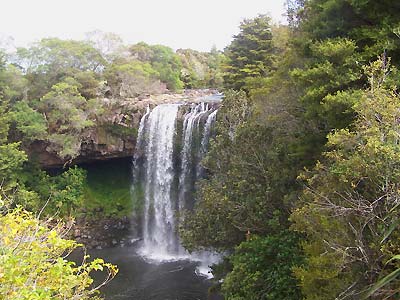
[115, 130]
[104, 233]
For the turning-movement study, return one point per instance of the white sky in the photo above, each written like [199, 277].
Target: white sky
[196, 24]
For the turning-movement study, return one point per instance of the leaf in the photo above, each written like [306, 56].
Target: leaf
[384, 281]
[390, 230]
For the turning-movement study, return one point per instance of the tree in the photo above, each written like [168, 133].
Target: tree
[34, 264]
[350, 202]
[16, 85]
[11, 157]
[67, 114]
[332, 40]
[201, 69]
[60, 195]
[369, 23]
[163, 60]
[109, 44]
[133, 78]
[251, 53]
[252, 163]
[335, 67]
[262, 269]
[51, 60]
[29, 122]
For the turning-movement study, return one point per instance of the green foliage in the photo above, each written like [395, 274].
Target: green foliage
[351, 200]
[67, 114]
[68, 190]
[11, 160]
[4, 123]
[335, 38]
[201, 69]
[60, 195]
[11, 157]
[253, 163]
[163, 60]
[107, 190]
[262, 268]
[88, 84]
[369, 23]
[29, 122]
[34, 265]
[14, 83]
[251, 53]
[51, 60]
[301, 91]
[132, 78]
[335, 67]
[167, 63]
[120, 130]
[210, 225]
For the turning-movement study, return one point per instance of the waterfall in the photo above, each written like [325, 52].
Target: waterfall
[189, 161]
[159, 235]
[137, 161]
[205, 141]
[166, 166]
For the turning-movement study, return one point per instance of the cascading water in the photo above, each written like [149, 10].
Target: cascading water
[167, 174]
[187, 179]
[205, 141]
[138, 155]
[159, 238]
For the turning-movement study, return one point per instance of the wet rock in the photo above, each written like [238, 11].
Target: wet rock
[107, 232]
[133, 241]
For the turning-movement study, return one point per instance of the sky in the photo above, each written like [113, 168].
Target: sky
[195, 24]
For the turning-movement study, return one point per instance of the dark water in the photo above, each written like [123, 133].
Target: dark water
[142, 280]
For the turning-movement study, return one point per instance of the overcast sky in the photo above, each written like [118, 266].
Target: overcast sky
[196, 24]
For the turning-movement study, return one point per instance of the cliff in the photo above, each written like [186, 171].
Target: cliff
[115, 130]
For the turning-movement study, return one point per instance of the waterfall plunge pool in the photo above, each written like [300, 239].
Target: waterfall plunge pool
[142, 279]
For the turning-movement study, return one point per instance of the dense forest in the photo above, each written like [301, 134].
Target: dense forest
[303, 185]
[302, 188]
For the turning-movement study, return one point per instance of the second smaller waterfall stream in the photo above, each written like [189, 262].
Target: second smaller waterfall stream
[167, 165]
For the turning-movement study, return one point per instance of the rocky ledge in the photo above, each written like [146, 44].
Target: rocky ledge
[103, 233]
[115, 130]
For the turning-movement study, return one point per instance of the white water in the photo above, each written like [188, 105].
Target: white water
[190, 126]
[139, 146]
[159, 237]
[165, 193]
[205, 141]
